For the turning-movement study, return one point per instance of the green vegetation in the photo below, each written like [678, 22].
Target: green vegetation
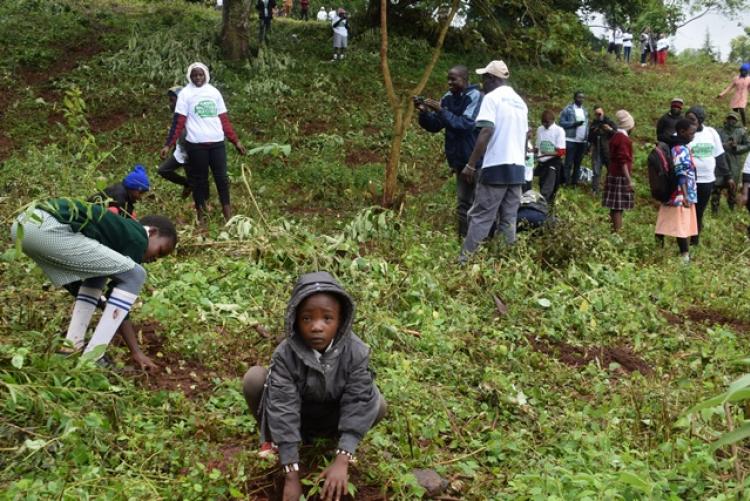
[580, 389]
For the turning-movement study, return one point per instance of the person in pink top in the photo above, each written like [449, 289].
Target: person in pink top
[740, 84]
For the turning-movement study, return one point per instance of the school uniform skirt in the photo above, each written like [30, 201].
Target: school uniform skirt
[64, 255]
[676, 221]
[617, 194]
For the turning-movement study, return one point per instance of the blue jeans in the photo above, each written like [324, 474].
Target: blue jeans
[597, 162]
[573, 158]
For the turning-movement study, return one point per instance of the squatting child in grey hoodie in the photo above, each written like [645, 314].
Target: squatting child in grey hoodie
[319, 384]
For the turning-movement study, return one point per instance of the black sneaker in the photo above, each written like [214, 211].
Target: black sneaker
[105, 363]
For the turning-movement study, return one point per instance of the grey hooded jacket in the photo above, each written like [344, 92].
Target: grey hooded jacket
[302, 393]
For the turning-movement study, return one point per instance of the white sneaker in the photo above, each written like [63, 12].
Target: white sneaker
[685, 258]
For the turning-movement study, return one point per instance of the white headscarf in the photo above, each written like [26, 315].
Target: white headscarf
[202, 67]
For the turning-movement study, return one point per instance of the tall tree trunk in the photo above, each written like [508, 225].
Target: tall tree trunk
[403, 108]
[235, 29]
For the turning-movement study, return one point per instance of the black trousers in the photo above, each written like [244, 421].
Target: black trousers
[168, 170]
[202, 157]
[549, 178]
[741, 111]
[723, 183]
[704, 196]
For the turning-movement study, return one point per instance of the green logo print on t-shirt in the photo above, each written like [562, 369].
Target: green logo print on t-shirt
[547, 147]
[703, 150]
[205, 109]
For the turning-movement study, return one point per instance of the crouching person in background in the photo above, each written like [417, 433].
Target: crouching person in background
[533, 212]
[319, 384]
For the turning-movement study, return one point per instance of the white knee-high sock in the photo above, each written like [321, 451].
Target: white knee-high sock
[118, 306]
[83, 310]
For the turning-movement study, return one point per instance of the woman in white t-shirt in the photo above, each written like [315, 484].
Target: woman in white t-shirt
[707, 150]
[200, 109]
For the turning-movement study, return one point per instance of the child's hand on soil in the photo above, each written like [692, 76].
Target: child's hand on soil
[337, 479]
[292, 487]
[145, 363]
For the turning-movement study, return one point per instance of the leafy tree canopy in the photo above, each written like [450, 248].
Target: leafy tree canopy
[740, 48]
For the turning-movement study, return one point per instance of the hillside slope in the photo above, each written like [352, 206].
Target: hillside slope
[577, 391]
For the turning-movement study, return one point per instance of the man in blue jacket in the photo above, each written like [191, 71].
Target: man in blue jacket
[575, 120]
[456, 113]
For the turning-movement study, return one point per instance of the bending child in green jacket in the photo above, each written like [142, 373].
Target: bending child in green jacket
[319, 384]
[82, 246]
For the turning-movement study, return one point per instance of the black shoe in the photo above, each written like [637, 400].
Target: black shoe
[694, 241]
[105, 363]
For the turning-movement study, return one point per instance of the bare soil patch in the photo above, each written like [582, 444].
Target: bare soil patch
[577, 356]
[314, 127]
[107, 122]
[176, 374]
[69, 59]
[362, 157]
[227, 457]
[6, 146]
[271, 487]
[708, 317]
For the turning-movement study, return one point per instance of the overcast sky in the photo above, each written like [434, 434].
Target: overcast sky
[721, 29]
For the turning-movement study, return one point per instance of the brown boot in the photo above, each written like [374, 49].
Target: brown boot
[227, 211]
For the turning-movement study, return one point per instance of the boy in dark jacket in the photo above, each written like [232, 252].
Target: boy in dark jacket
[665, 127]
[319, 384]
[456, 113]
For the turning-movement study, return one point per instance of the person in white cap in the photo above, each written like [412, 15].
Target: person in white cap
[322, 14]
[503, 123]
[340, 26]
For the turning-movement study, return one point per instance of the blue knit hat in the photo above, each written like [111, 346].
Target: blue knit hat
[137, 179]
[745, 67]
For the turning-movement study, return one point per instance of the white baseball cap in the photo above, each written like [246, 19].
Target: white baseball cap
[496, 68]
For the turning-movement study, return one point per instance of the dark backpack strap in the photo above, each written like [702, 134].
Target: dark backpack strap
[665, 155]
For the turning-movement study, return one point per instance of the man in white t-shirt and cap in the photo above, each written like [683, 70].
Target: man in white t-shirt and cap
[340, 25]
[503, 123]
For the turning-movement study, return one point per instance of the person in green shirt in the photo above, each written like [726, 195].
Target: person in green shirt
[82, 246]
